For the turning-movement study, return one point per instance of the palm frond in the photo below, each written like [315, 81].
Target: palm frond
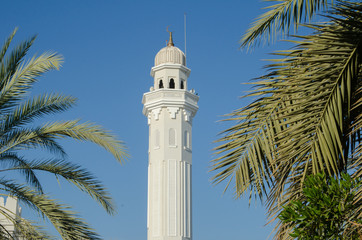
[279, 19]
[80, 177]
[17, 132]
[245, 151]
[12, 161]
[24, 229]
[34, 108]
[6, 45]
[86, 132]
[26, 138]
[306, 119]
[67, 223]
[17, 84]
[10, 64]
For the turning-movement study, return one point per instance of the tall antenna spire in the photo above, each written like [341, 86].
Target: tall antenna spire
[170, 41]
[185, 32]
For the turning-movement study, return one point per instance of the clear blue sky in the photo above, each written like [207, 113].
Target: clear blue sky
[109, 49]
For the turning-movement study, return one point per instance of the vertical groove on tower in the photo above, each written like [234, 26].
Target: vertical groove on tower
[188, 200]
[172, 207]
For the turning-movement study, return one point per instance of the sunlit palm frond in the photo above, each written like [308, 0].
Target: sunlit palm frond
[80, 177]
[68, 224]
[46, 135]
[26, 138]
[86, 132]
[18, 113]
[11, 62]
[24, 229]
[35, 107]
[245, 153]
[20, 81]
[279, 19]
[307, 118]
[6, 45]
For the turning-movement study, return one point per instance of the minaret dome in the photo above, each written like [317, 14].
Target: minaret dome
[170, 54]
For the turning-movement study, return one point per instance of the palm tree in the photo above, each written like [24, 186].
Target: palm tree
[19, 131]
[307, 118]
[279, 18]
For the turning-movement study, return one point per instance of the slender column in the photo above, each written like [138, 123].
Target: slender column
[170, 159]
[169, 107]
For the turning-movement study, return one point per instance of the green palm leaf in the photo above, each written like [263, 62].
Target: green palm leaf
[80, 177]
[19, 131]
[25, 228]
[10, 161]
[36, 107]
[68, 224]
[306, 120]
[279, 19]
[6, 45]
[20, 81]
[45, 135]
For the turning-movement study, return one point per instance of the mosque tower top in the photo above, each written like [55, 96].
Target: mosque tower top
[170, 54]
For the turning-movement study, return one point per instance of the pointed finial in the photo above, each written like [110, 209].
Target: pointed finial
[170, 41]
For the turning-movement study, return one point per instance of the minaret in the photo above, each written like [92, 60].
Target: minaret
[10, 212]
[169, 107]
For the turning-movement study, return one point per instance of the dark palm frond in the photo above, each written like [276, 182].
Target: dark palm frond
[356, 140]
[4, 233]
[279, 18]
[11, 161]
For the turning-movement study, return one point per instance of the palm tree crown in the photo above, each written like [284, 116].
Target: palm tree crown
[20, 131]
[307, 118]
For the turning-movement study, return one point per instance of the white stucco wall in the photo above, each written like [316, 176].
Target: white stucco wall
[169, 169]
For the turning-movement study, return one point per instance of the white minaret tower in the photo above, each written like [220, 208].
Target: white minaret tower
[169, 107]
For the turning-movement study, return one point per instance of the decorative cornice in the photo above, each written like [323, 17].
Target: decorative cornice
[170, 98]
[173, 111]
[170, 94]
[149, 118]
[184, 69]
[188, 115]
[156, 113]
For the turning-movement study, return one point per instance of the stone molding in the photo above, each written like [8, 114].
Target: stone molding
[170, 99]
[173, 111]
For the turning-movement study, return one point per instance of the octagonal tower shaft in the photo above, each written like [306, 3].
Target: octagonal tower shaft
[169, 107]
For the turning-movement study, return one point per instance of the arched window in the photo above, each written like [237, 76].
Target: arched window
[172, 83]
[157, 138]
[172, 137]
[182, 84]
[160, 84]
